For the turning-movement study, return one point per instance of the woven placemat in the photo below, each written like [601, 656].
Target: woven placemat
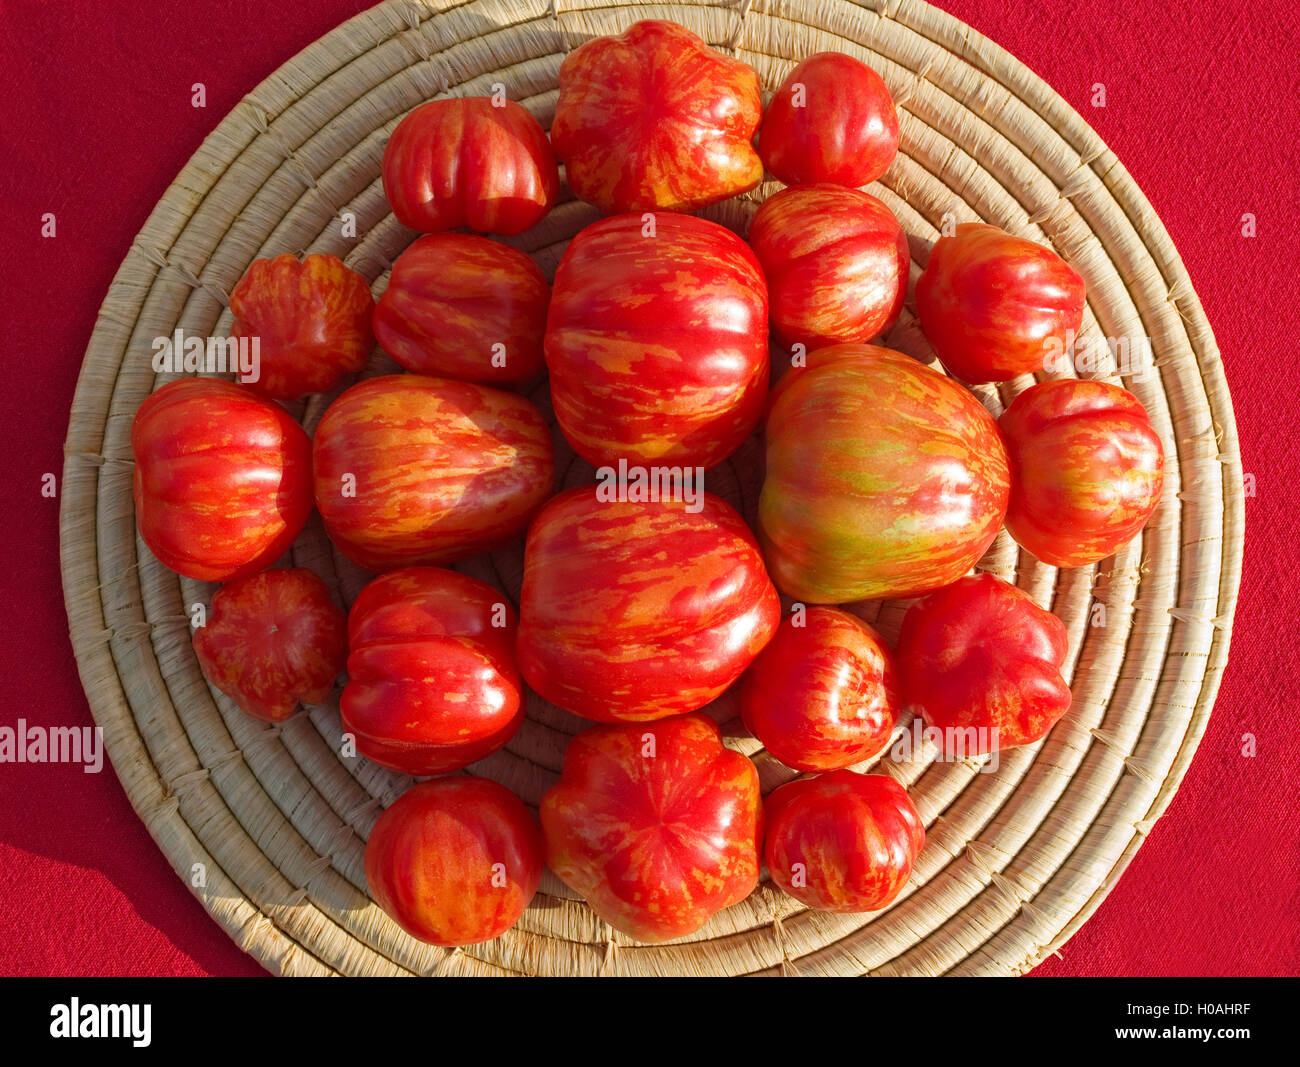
[267, 824]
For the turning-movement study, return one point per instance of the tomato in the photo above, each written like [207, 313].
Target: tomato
[822, 694]
[842, 841]
[432, 683]
[657, 345]
[657, 826]
[884, 478]
[455, 861]
[1087, 468]
[832, 120]
[222, 479]
[982, 657]
[414, 470]
[836, 264]
[273, 640]
[461, 306]
[635, 611]
[466, 161]
[655, 119]
[311, 319]
[995, 306]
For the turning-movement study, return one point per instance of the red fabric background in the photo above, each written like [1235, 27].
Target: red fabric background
[96, 121]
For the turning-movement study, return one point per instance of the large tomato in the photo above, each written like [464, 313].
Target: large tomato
[836, 262]
[657, 825]
[983, 658]
[832, 120]
[273, 640]
[655, 119]
[1087, 470]
[842, 841]
[466, 161]
[884, 478]
[461, 306]
[222, 479]
[822, 694]
[996, 306]
[455, 861]
[413, 470]
[432, 684]
[657, 341]
[311, 319]
[636, 611]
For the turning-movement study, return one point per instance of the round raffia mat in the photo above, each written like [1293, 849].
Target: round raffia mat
[268, 824]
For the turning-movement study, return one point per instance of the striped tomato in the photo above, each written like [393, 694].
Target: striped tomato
[836, 264]
[636, 611]
[222, 479]
[996, 306]
[461, 306]
[465, 161]
[822, 694]
[1087, 470]
[432, 685]
[884, 478]
[657, 826]
[413, 470]
[655, 119]
[311, 319]
[657, 341]
[842, 841]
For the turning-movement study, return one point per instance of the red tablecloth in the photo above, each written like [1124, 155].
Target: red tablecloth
[96, 121]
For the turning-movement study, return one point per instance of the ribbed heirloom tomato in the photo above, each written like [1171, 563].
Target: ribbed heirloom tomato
[983, 658]
[432, 684]
[637, 611]
[1087, 468]
[462, 306]
[413, 470]
[822, 694]
[469, 161]
[657, 341]
[657, 825]
[832, 120]
[222, 479]
[884, 478]
[655, 119]
[273, 640]
[455, 861]
[842, 841]
[836, 264]
[995, 306]
[311, 319]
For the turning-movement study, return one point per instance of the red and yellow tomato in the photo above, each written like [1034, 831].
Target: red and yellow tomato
[996, 306]
[462, 306]
[822, 694]
[658, 826]
[222, 479]
[455, 861]
[312, 321]
[637, 611]
[273, 640]
[657, 341]
[842, 841]
[432, 683]
[1087, 470]
[983, 658]
[654, 119]
[884, 478]
[836, 263]
[413, 470]
[832, 120]
[469, 161]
